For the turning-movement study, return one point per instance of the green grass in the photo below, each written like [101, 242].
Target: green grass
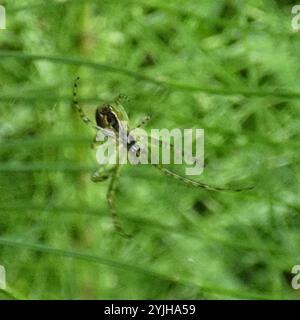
[229, 67]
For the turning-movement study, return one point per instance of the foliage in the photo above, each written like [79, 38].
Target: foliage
[230, 67]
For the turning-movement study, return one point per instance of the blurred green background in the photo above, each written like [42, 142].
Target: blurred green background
[230, 67]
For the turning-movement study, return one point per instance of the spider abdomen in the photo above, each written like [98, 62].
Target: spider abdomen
[106, 118]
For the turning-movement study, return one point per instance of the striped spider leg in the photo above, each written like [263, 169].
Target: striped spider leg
[113, 173]
[85, 119]
[197, 184]
[179, 177]
[190, 182]
[143, 122]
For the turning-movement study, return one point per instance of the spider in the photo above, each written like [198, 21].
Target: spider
[108, 119]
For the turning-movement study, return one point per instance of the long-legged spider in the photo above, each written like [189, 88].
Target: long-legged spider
[108, 120]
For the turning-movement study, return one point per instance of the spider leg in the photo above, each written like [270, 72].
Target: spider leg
[144, 121]
[121, 97]
[101, 174]
[194, 183]
[83, 116]
[110, 200]
[77, 106]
